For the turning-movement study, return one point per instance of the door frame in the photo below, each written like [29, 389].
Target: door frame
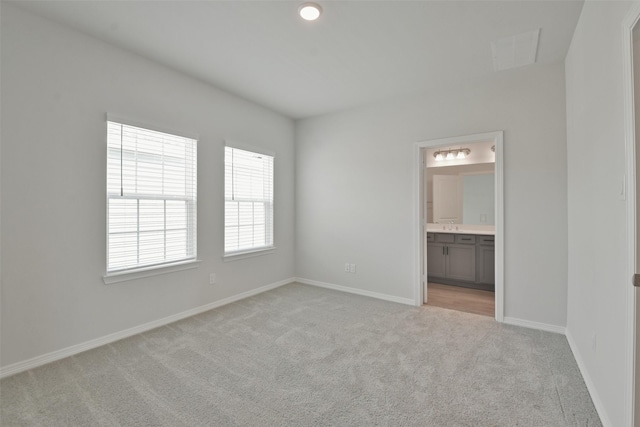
[630, 21]
[419, 227]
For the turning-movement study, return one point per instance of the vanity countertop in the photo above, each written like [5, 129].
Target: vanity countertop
[481, 230]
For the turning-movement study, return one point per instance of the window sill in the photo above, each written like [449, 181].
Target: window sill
[139, 273]
[236, 256]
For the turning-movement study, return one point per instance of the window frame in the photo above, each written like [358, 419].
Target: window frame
[256, 251]
[146, 270]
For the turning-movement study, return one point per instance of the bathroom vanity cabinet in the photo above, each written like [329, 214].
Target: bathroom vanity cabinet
[461, 259]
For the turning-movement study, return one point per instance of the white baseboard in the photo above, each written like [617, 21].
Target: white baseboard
[25, 365]
[407, 301]
[595, 397]
[535, 325]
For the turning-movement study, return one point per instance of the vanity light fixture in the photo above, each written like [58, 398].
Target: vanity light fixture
[454, 154]
[310, 11]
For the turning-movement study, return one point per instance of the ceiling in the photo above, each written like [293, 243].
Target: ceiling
[358, 52]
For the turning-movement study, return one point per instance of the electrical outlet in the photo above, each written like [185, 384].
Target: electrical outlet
[212, 278]
[352, 268]
[346, 267]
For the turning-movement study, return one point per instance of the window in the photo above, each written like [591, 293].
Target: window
[248, 208]
[151, 198]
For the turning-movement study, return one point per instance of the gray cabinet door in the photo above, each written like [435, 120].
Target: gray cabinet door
[436, 265]
[486, 265]
[461, 262]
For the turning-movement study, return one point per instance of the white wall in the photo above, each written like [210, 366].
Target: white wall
[57, 86]
[355, 189]
[596, 317]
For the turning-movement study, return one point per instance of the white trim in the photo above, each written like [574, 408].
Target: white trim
[535, 325]
[110, 117]
[37, 361]
[155, 270]
[595, 397]
[385, 297]
[499, 239]
[630, 174]
[236, 256]
[418, 228]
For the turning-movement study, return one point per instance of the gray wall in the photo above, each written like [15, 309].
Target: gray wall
[597, 289]
[57, 86]
[355, 189]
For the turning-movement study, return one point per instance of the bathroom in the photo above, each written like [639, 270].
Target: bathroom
[460, 209]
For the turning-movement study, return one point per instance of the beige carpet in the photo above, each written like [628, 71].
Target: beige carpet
[305, 356]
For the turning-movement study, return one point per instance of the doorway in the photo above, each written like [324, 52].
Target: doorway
[463, 246]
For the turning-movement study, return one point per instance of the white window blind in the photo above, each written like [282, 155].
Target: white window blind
[248, 219]
[151, 198]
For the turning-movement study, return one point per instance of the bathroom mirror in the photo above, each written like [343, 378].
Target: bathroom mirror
[463, 194]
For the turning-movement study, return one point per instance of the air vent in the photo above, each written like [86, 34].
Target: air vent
[515, 51]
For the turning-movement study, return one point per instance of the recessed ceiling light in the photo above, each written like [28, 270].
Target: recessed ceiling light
[310, 11]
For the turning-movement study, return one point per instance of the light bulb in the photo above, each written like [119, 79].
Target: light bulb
[461, 155]
[310, 11]
[450, 156]
[439, 157]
